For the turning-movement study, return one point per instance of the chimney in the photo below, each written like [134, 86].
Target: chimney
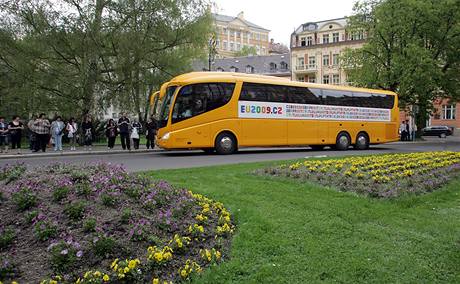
[240, 15]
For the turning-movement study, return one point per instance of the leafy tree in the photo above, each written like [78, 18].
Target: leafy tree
[246, 51]
[412, 48]
[80, 56]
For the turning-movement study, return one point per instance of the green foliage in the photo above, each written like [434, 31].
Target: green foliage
[89, 225]
[24, 199]
[83, 189]
[108, 199]
[63, 257]
[79, 62]
[126, 216]
[246, 51]
[75, 210]
[412, 48]
[45, 230]
[60, 193]
[6, 238]
[7, 269]
[30, 216]
[104, 246]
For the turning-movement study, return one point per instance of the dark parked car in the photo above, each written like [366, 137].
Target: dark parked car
[441, 131]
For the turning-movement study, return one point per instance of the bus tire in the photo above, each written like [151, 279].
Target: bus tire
[362, 141]
[343, 141]
[317, 147]
[225, 143]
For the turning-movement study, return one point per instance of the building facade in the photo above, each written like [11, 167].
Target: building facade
[316, 48]
[271, 65]
[233, 33]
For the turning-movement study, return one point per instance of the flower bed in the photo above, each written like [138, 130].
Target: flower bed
[378, 175]
[99, 224]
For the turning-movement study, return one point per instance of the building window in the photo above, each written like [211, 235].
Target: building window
[283, 65]
[311, 80]
[448, 112]
[335, 59]
[225, 31]
[258, 49]
[272, 66]
[335, 79]
[312, 62]
[238, 46]
[257, 36]
[335, 37]
[263, 50]
[301, 79]
[217, 43]
[302, 41]
[220, 69]
[325, 79]
[309, 40]
[233, 69]
[357, 35]
[249, 69]
[326, 38]
[300, 63]
[326, 60]
[232, 46]
[238, 34]
[249, 35]
[224, 45]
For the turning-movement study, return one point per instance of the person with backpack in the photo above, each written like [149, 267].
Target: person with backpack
[57, 130]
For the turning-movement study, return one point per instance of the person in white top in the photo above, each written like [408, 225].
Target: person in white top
[72, 133]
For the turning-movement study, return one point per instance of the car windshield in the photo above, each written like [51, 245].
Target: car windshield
[165, 106]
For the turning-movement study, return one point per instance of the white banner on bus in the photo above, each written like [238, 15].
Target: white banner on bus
[249, 109]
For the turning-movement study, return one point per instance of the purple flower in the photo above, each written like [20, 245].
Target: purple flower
[79, 253]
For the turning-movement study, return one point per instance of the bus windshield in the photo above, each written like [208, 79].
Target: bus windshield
[166, 102]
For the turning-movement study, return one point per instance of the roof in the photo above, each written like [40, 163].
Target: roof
[260, 63]
[224, 18]
[198, 77]
[318, 25]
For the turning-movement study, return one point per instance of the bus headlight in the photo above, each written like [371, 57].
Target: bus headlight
[165, 137]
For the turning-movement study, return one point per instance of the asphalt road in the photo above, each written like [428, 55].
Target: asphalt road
[185, 159]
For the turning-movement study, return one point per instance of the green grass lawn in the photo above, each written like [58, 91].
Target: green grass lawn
[293, 232]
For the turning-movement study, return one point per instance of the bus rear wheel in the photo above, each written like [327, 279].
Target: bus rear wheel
[362, 141]
[343, 141]
[225, 144]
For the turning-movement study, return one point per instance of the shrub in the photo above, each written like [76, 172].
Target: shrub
[83, 189]
[89, 225]
[134, 192]
[63, 257]
[60, 193]
[75, 210]
[104, 246]
[6, 238]
[108, 199]
[30, 216]
[7, 269]
[45, 230]
[126, 215]
[24, 199]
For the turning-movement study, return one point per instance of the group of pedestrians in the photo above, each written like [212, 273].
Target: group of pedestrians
[407, 132]
[42, 132]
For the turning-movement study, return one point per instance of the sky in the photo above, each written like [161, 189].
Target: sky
[281, 17]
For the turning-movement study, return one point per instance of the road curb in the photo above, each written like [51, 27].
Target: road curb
[75, 153]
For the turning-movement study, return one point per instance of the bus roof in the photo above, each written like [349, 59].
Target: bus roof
[200, 77]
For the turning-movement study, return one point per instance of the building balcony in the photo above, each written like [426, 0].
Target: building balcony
[306, 68]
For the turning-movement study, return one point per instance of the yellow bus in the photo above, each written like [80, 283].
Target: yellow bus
[226, 111]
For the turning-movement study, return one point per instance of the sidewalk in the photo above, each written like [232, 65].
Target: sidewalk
[96, 150]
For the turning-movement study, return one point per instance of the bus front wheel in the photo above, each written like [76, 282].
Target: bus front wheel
[343, 141]
[225, 144]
